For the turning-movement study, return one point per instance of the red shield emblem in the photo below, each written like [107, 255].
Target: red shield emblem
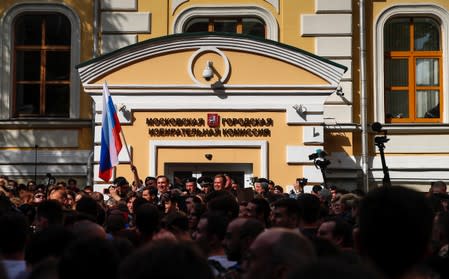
[213, 120]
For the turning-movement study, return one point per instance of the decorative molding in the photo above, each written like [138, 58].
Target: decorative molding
[175, 4]
[418, 144]
[227, 67]
[326, 25]
[28, 171]
[274, 3]
[14, 157]
[42, 138]
[96, 68]
[262, 145]
[335, 47]
[45, 123]
[130, 5]
[6, 46]
[333, 6]
[126, 22]
[313, 135]
[111, 42]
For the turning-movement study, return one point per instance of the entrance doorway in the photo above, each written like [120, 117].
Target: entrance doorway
[241, 173]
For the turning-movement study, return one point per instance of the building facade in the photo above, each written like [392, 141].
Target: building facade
[250, 89]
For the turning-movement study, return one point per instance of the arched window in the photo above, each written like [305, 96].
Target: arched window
[42, 47]
[412, 70]
[240, 25]
[250, 20]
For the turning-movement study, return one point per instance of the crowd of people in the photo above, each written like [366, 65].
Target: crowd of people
[212, 228]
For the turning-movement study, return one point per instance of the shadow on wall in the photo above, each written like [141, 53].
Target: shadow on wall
[113, 32]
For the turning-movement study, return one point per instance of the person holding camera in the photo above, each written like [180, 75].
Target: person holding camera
[298, 188]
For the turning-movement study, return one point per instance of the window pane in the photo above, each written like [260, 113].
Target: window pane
[57, 30]
[225, 25]
[28, 30]
[427, 72]
[427, 34]
[396, 72]
[397, 34]
[396, 104]
[27, 98]
[58, 65]
[254, 27]
[427, 104]
[28, 65]
[197, 25]
[57, 100]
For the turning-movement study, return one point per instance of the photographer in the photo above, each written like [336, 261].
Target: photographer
[298, 188]
[119, 190]
[113, 192]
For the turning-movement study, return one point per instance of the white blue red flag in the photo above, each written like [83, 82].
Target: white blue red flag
[111, 143]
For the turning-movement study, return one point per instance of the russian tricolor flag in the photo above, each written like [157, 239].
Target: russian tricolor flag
[111, 143]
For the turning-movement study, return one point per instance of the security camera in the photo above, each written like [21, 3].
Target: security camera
[208, 73]
[339, 91]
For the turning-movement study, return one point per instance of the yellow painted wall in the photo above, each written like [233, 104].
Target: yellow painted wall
[246, 69]
[281, 135]
[288, 18]
[159, 18]
[290, 24]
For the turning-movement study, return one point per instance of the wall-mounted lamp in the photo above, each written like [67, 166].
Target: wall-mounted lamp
[208, 72]
[124, 110]
[208, 156]
[121, 107]
[339, 91]
[301, 110]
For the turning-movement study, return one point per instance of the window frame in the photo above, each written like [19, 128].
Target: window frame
[43, 49]
[239, 23]
[7, 83]
[412, 56]
[271, 25]
[442, 17]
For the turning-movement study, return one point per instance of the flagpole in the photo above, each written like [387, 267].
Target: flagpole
[126, 145]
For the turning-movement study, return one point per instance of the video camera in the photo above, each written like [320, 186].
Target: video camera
[319, 158]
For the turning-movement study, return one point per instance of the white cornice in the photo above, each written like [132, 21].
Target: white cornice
[108, 63]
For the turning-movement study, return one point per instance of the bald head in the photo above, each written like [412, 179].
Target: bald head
[88, 229]
[240, 233]
[276, 252]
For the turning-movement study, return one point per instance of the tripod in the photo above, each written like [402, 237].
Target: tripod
[320, 161]
[380, 141]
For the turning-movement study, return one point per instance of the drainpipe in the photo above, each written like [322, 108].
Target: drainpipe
[90, 169]
[95, 28]
[363, 97]
[95, 53]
